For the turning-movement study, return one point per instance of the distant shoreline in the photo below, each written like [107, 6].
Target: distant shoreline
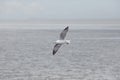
[78, 24]
[60, 22]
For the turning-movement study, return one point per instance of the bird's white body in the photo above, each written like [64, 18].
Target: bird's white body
[62, 42]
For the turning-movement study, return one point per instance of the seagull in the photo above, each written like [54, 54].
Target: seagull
[61, 40]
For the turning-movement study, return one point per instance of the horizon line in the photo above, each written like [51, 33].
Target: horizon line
[60, 21]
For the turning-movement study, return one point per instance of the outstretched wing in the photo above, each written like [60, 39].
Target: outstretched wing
[63, 33]
[56, 47]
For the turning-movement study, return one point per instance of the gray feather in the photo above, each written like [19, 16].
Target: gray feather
[56, 47]
[63, 33]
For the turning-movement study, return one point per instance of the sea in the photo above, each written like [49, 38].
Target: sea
[26, 54]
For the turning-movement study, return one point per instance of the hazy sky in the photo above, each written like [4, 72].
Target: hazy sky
[59, 9]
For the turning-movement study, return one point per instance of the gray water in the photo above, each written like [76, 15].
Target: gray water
[27, 55]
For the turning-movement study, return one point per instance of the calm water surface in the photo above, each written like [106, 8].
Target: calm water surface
[27, 55]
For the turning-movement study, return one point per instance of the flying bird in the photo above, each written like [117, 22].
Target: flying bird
[61, 40]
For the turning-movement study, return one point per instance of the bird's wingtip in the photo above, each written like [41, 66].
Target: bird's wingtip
[53, 52]
[67, 27]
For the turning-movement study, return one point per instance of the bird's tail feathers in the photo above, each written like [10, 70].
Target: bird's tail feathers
[68, 41]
